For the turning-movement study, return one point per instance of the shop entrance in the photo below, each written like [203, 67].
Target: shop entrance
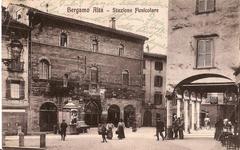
[129, 115]
[92, 114]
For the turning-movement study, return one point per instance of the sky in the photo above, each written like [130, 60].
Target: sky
[152, 25]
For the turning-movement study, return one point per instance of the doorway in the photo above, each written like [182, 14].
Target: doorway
[147, 119]
[114, 114]
[92, 114]
[48, 116]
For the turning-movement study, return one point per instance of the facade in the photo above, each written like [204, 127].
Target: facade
[154, 83]
[95, 68]
[203, 47]
[15, 100]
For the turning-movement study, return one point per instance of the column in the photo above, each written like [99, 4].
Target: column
[186, 114]
[178, 107]
[198, 114]
[193, 114]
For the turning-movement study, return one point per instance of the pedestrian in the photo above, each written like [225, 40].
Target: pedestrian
[104, 132]
[63, 127]
[180, 128]
[159, 129]
[120, 129]
[110, 127]
[218, 129]
[175, 126]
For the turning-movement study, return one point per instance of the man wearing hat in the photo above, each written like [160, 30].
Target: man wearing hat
[63, 127]
[159, 128]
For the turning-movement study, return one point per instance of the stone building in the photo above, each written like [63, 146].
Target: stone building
[14, 74]
[98, 69]
[154, 81]
[203, 47]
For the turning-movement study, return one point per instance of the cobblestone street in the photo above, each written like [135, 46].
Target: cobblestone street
[143, 139]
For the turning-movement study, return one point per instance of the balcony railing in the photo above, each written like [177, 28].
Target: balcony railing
[16, 66]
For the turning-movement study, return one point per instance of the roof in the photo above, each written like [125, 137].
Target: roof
[84, 23]
[154, 55]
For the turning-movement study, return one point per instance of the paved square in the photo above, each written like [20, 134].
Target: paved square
[143, 139]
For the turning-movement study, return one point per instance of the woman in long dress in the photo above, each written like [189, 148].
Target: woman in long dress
[120, 129]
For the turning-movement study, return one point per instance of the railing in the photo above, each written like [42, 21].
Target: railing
[16, 66]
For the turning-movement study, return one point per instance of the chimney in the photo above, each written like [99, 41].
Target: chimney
[113, 23]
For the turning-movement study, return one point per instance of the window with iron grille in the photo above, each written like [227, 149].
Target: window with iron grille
[158, 81]
[204, 56]
[144, 80]
[158, 65]
[125, 77]
[63, 39]
[158, 99]
[44, 69]
[205, 6]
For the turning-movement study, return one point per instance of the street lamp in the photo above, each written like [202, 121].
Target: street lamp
[15, 48]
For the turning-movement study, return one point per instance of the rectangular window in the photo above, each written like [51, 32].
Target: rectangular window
[158, 66]
[158, 81]
[205, 6]
[125, 76]
[15, 90]
[204, 53]
[158, 99]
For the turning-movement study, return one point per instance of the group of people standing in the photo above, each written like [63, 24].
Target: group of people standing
[106, 130]
[178, 127]
[224, 128]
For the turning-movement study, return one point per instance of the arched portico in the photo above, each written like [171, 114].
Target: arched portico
[194, 91]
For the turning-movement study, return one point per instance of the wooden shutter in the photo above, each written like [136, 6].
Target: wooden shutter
[21, 90]
[8, 88]
[200, 6]
[210, 5]
[208, 54]
[200, 53]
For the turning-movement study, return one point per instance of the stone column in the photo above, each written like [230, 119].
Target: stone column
[169, 120]
[193, 115]
[186, 122]
[198, 114]
[178, 107]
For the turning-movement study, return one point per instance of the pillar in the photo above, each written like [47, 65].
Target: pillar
[186, 122]
[42, 140]
[198, 114]
[178, 108]
[193, 115]
[3, 138]
[169, 120]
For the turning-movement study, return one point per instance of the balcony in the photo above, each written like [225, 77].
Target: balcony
[15, 66]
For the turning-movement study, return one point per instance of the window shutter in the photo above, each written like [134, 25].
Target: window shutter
[160, 81]
[201, 5]
[210, 5]
[21, 89]
[8, 88]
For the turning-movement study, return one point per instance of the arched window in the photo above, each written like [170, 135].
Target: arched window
[125, 77]
[95, 45]
[94, 74]
[44, 69]
[121, 50]
[63, 39]
[65, 80]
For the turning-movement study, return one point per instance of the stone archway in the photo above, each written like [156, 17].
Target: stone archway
[129, 115]
[48, 116]
[92, 114]
[147, 119]
[114, 114]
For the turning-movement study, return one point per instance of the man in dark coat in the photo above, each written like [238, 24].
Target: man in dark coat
[63, 127]
[159, 128]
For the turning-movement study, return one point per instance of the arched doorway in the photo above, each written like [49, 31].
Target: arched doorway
[114, 114]
[92, 114]
[48, 116]
[147, 119]
[129, 115]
